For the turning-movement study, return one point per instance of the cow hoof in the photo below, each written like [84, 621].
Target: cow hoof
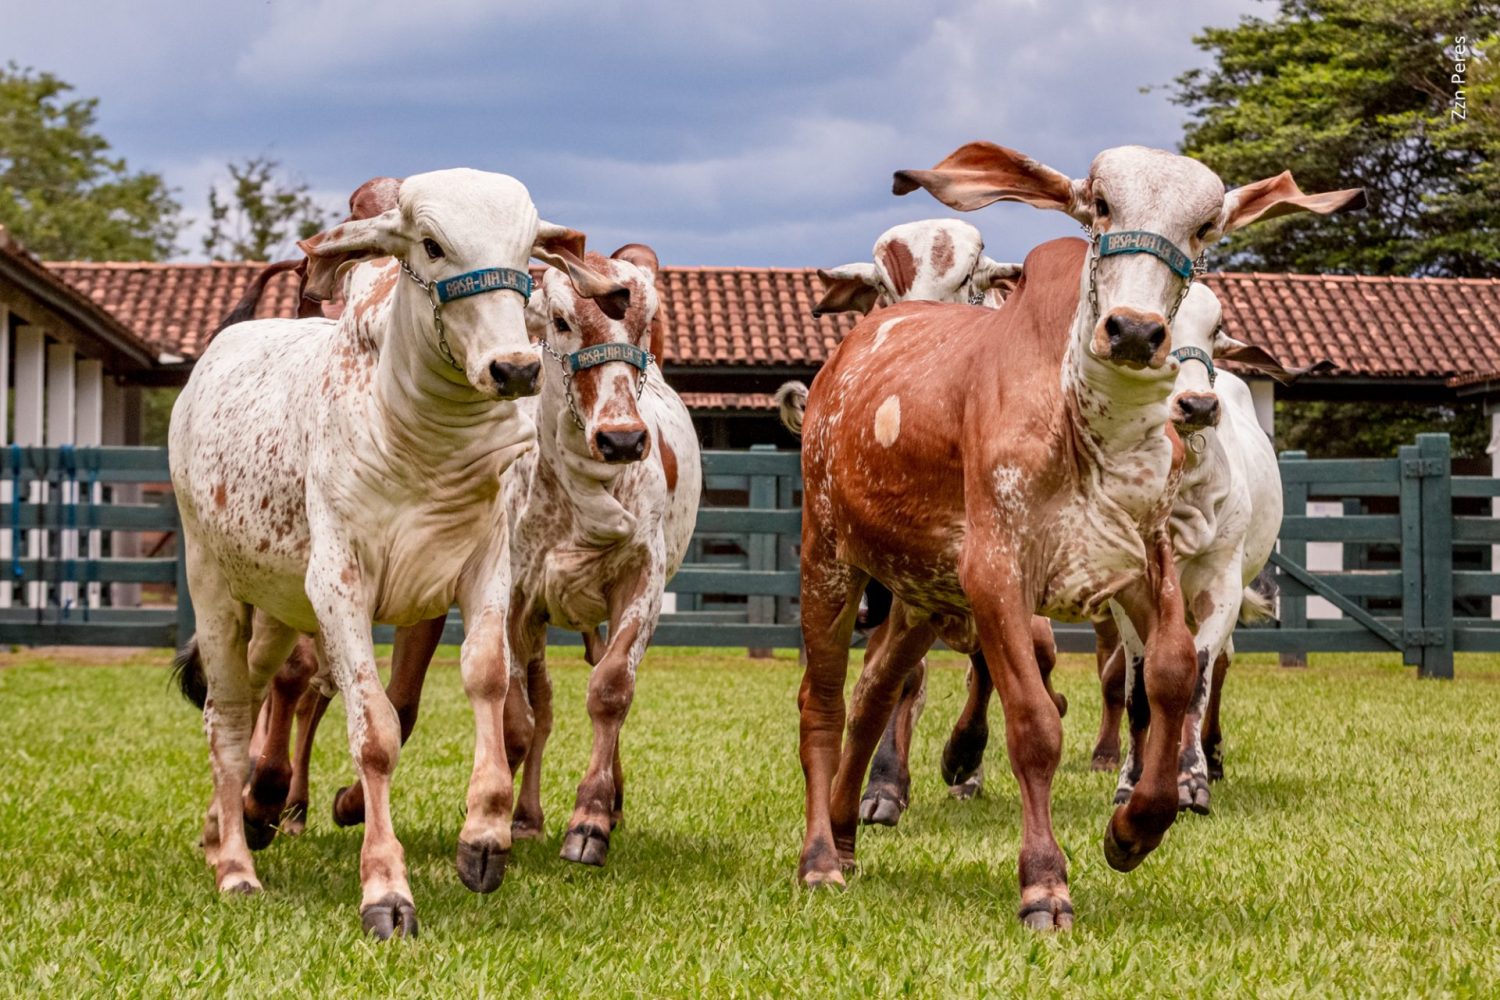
[481, 867]
[824, 879]
[1105, 762]
[1048, 915]
[259, 833]
[240, 885]
[586, 844]
[880, 809]
[970, 789]
[962, 758]
[1116, 854]
[391, 917]
[347, 812]
[525, 828]
[1061, 701]
[1192, 794]
[1122, 795]
[1215, 766]
[294, 820]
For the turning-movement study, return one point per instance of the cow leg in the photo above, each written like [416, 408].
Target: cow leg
[890, 666]
[632, 621]
[889, 789]
[1129, 665]
[308, 715]
[1033, 736]
[411, 655]
[1109, 659]
[1154, 608]
[963, 754]
[270, 779]
[962, 762]
[528, 722]
[830, 601]
[1213, 737]
[1215, 609]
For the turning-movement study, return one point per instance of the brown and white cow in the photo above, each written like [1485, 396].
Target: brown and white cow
[932, 260]
[984, 484]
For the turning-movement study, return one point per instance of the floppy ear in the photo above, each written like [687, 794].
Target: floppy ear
[1228, 349]
[376, 195]
[659, 335]
[330, 251]
[641, 256]
[563, 248]
[851, 288]
[983, 173]
[990, 273]
[1280, 195]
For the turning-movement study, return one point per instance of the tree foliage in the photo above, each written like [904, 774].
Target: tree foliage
[61, 192]
[1358, 93]
[261, 214]
[1337, 429]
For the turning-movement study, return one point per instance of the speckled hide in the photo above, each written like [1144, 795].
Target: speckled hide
[334, 474]
[989, 465]
[594, 541]
[933, 260]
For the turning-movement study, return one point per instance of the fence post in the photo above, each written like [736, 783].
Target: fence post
[761, 548]
[1437, 556]
[786, 547]
[1294, 606]
[187, 621]
[1409, 463]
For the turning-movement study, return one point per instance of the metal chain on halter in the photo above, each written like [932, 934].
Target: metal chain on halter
[1200, 268]
[437, 314]
[567, 377]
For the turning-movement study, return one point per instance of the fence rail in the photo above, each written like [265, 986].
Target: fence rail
[1415, 571]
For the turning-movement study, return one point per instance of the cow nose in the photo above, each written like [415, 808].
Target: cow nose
[513, 380]
[1133, 339]
[621, 446]
[1196, 409]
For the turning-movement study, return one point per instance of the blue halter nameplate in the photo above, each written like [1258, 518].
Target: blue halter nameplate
[1140, 241]
[1197, 354]
[598, 354]
[488, 279]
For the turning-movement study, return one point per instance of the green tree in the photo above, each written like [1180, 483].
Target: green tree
[262, 213]
[1356, 93]
[1337, 429]
[61, 192]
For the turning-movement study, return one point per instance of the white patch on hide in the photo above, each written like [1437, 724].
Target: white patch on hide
[888, 421]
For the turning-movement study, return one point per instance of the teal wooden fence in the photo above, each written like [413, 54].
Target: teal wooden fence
[1417, 576]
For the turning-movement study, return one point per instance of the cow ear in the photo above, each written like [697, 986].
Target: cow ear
[1226, 348]
[851, 288]
[659, 336]
[374, 196]
[641, 256]
[1278, 196]
[990, 273]
[563, 248]
[982, 173]
[331, 251]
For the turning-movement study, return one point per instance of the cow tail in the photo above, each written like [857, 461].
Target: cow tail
[187, 671]
[1257, 604]
[791, 401]
[244, 309]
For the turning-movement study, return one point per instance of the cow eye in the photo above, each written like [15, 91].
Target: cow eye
[561, 325]
[1101, 208]
[433, 250]
[1203, 229]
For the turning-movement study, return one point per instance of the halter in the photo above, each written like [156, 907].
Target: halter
[1113, 244]
[593, 357]
[486, 279]
[1184, 354]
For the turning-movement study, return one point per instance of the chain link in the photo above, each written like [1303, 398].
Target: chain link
[567, 377]
[1200, 268]
[437, 315]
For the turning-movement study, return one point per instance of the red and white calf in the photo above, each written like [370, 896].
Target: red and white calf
[933, 260]
[334, 474]
[983, 485]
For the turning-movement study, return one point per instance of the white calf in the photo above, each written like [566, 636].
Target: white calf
[934, 260]
[331, 474]
[603, 513]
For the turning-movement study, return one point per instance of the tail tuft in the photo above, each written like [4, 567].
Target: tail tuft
[187, 671]
[791, 400]
[1258, 602]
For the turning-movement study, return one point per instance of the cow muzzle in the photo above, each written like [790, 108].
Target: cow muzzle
[621, 444]
[1131, 338]
[516, 375]
[1195, 410]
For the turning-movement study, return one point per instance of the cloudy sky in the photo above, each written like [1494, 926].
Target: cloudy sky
[753, 133]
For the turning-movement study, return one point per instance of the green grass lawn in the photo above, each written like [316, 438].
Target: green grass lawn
[1353, 850]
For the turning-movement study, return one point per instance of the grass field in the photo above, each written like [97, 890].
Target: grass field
[1353, 850]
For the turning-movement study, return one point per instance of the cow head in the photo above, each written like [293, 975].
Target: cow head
[1152, 200]
[445, 224]
[1198, 334]
[603, 394]
[934, 260]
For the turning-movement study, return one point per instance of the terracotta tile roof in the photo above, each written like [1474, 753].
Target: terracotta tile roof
[762, 317]
[728, 401]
